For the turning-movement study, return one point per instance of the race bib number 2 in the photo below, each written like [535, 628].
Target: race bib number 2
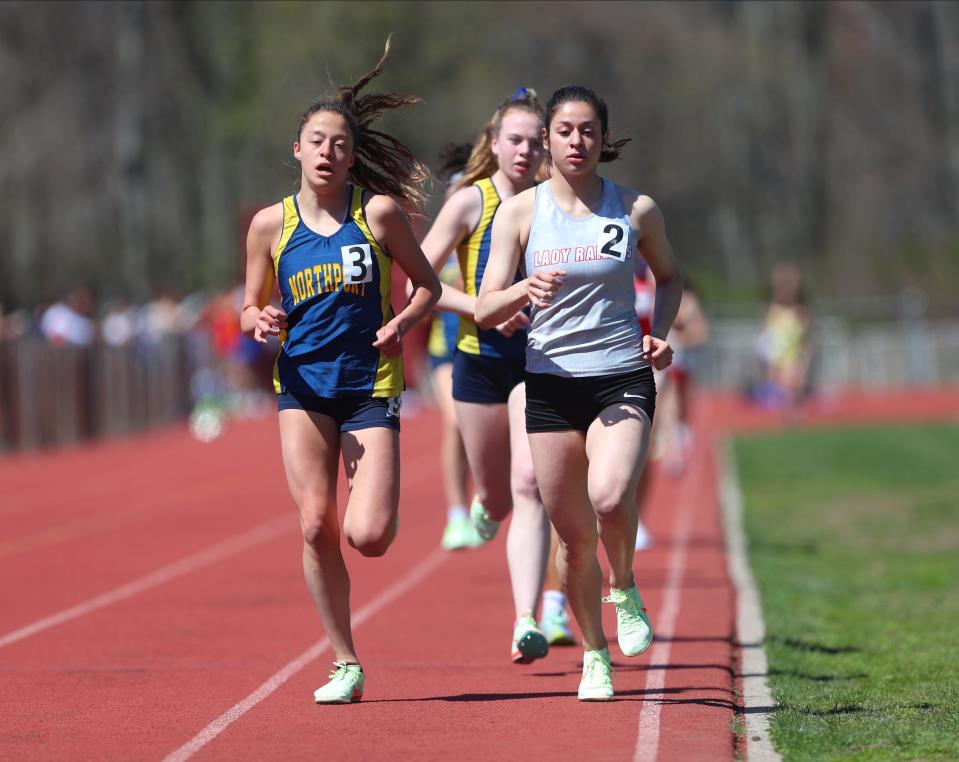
[357, 263]
[613, 241]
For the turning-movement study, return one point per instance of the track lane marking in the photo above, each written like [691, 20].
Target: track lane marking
[186, 565]
[251, 538]
[758, 705]
[647, 739]
[221, 723]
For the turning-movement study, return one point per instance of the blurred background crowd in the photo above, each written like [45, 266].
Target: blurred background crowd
[78, 369]
[805, 155]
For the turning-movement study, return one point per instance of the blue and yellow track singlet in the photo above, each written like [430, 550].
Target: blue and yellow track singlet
[335, 291]
[444, 328]
[473, 254]
[443, 333]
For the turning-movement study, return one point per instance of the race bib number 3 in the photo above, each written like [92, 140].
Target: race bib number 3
[357, 263]
[613, 242]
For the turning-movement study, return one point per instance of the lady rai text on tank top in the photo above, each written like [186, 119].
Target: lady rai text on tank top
[590, 329]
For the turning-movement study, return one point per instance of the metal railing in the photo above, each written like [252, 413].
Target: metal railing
[54, 395]
[873, 355]
[57, 395]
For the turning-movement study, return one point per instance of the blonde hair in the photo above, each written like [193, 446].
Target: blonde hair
[482, 162]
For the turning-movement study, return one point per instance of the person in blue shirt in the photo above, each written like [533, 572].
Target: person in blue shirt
[339, 374]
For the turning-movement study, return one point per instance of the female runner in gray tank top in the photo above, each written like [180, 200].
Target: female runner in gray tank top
[590, 394]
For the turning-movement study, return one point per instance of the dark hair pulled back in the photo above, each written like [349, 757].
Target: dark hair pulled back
[581, 94]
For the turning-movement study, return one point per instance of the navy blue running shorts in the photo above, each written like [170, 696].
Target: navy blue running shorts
[486, 379]
[349, 413]
[438, 360]
[562, 403]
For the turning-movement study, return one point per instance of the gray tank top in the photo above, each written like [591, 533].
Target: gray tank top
[591, 328]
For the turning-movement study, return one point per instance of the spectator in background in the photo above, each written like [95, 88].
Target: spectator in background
[160, 318]
[784, 347]
[119, 324]
[68, 321]
[675, 384]
[15, 324]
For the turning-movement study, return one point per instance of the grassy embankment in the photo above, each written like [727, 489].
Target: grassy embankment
[854, 540]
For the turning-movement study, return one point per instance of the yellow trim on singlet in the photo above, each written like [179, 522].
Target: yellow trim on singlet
[436, 343]
[468, 252]
[389, 372]
[290, 220]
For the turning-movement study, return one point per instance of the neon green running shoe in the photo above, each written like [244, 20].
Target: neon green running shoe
[597, 681]
[529, 643]
[459, 534]
[485, 527]
[345, 686]
[555, 627]
[633, 630]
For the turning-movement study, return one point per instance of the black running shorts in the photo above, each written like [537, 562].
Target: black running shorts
[561, 403]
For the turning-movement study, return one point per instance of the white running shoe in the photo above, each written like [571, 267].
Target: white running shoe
[345, 686]
[633, 630]
[597, 681]
[460, 533]
[555, 626]
[529, 643]
[485, 527]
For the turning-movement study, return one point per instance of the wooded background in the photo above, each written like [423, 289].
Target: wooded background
[137, 138]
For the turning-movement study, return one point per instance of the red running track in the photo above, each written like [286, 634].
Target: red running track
[153, 607]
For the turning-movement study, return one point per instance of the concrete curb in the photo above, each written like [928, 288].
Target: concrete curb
[757, 700]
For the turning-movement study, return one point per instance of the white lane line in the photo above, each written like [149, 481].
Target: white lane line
[256, 536]
[647, 739]
[221, 723]
[758, 704]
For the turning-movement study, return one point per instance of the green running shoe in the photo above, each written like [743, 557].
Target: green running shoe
[485, 527]
[345, 686]
[459, 534]
[529, 644]
[597, 681]
[555, 627]
[633, 630]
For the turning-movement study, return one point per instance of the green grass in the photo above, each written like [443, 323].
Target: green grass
[854, 541]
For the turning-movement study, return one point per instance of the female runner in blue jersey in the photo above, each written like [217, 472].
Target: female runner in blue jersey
[590, 394]
[339, 373]
[488, 365]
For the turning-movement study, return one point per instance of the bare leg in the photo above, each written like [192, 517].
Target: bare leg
[310, 445]
[616, 446]
[552, 581]
[485, 432]
[371, 459]
[562, 471]
[453, 456]
[527, 544]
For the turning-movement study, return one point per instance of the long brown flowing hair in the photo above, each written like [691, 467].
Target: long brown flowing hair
[482, 161]
[383, 163]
